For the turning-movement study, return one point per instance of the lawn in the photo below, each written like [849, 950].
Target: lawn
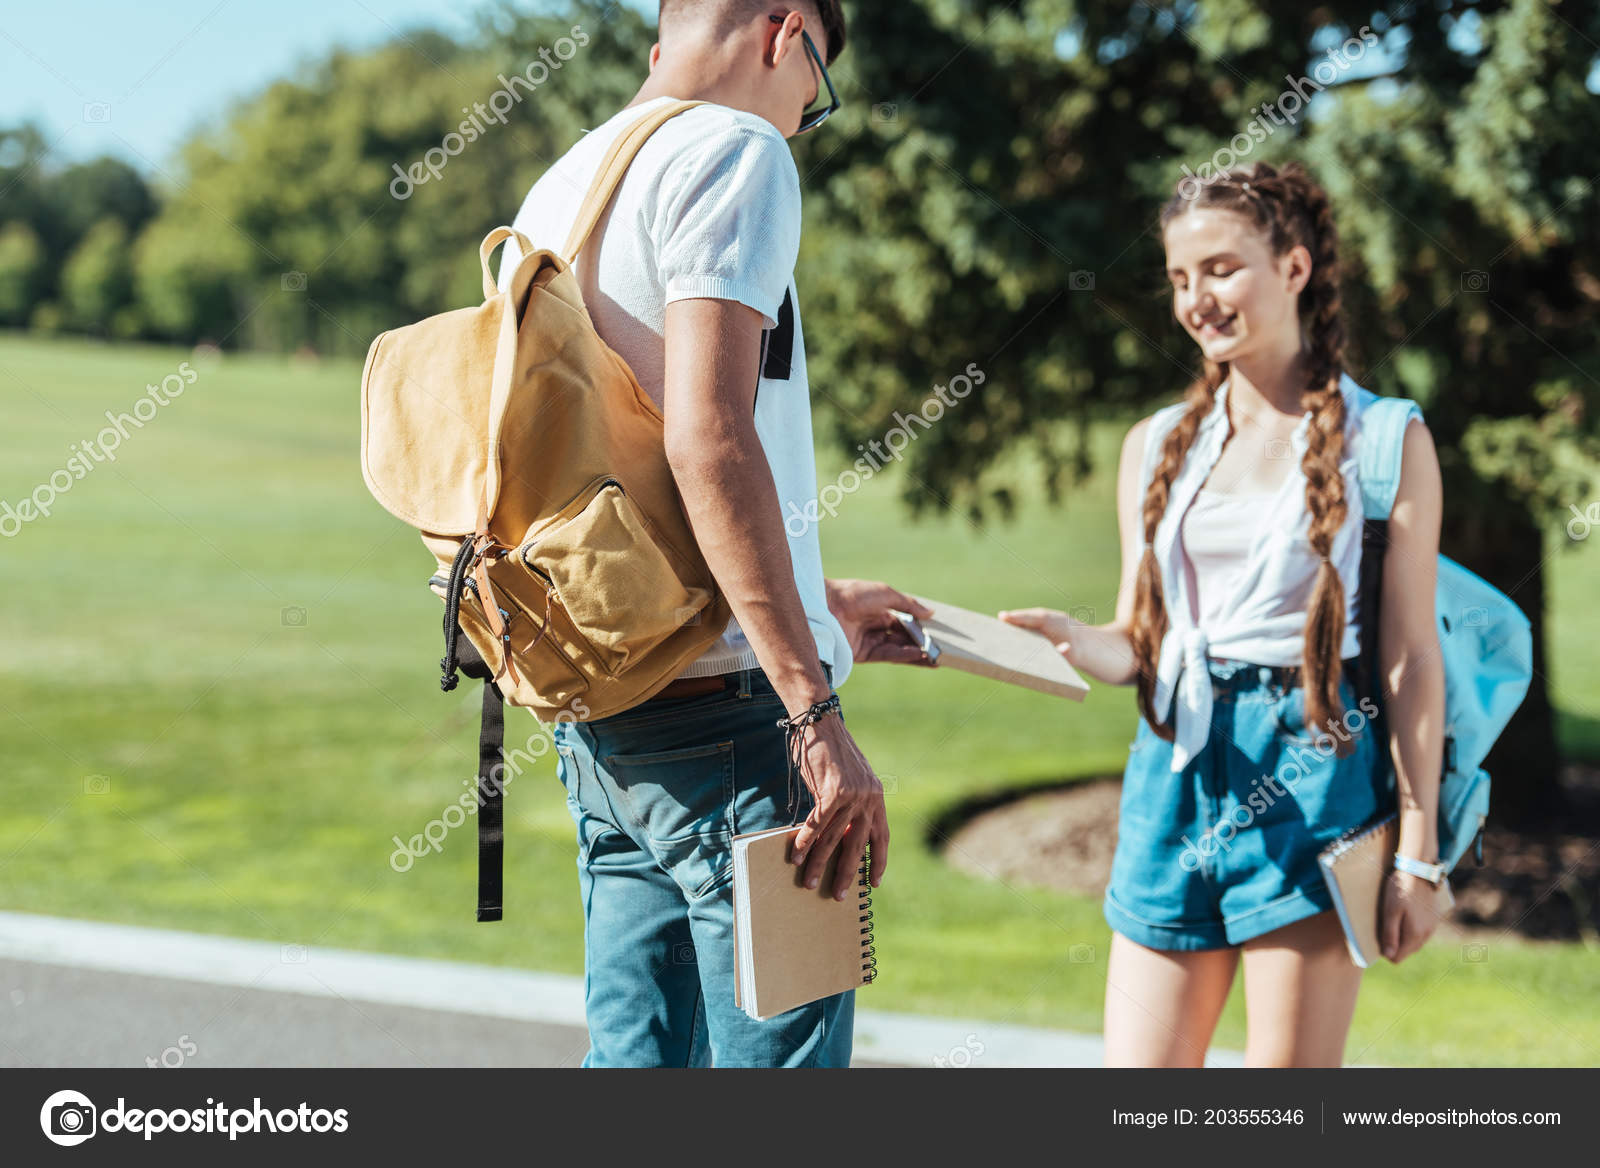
[221, 703]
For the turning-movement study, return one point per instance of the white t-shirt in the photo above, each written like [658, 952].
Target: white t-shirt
[710, 208]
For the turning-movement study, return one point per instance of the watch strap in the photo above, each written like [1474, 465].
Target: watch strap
[1432, 873]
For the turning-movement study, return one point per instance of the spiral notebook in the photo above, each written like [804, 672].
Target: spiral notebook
[794, 944]
[1355, 866]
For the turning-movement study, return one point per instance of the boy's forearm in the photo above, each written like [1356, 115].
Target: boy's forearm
[733, 509]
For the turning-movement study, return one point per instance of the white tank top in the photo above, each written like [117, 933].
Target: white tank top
[1218, 532]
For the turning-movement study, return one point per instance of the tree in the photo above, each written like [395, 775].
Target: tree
[21, 272]
[59, 208]
[97, 282]
[989, 193]
[87, 193]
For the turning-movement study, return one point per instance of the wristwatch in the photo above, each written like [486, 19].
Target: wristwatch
[1432, 873]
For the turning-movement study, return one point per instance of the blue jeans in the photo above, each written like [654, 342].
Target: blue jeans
[657, 794]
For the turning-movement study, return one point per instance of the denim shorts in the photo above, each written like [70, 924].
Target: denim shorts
[1226, 849]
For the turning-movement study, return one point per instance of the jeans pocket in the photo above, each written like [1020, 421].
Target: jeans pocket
[570, 776]
[572, 765]
[1331, 777]
[682, 802]
[1293, 730]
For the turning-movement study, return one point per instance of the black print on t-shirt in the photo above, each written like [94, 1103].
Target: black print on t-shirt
[777, 361]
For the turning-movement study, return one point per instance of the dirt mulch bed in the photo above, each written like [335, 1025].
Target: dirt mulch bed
[1543, 886]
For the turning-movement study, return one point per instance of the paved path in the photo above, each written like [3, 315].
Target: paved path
[82, 993]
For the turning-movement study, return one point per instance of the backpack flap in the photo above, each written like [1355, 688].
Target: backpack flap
[425, 417]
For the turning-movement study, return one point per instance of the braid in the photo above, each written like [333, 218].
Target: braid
[1149, 603]
[1293, 210]
[1325, 495]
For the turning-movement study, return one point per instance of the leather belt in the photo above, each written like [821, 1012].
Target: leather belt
[693, 687]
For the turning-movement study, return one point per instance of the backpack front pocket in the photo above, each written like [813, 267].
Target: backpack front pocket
[615, 582]
[546, 675]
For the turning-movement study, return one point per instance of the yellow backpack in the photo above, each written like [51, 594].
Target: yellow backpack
[523, 449]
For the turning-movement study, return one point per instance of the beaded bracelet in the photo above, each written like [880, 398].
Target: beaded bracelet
[793, 747]
[813, 715]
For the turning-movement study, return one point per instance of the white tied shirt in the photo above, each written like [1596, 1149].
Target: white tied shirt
[1262, 619]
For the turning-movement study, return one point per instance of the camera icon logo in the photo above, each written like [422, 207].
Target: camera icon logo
[294, 617]
[96, 111]
[885, 111]
[294, 282]
[1080, 281]
[683, 953]
[67, 1118]
[1476, 953]
[1474, 281]
[1278, 448]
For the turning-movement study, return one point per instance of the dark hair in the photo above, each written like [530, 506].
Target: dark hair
[730, 14]
[1290, 208]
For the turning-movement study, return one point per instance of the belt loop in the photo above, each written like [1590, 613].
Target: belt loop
[744, 685]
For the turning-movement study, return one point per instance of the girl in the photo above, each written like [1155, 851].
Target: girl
[1240, 513]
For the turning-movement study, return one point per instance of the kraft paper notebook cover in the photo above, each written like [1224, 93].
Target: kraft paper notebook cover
[971, 641]
[793, 944]
[1355, 867]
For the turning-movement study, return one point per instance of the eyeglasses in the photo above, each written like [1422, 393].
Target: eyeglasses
[811, 119]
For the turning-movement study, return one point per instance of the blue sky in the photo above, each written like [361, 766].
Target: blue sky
[134, 79]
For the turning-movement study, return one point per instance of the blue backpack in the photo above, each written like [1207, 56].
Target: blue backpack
[1484, 637]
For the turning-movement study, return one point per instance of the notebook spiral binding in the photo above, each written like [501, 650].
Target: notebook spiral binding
[869, 960]
[1354, 837]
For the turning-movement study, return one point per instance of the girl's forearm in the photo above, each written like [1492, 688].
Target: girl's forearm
[1416, 743]
[1104, 652]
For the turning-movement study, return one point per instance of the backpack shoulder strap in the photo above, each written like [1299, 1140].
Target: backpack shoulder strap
[1381, 445]
[612, 167]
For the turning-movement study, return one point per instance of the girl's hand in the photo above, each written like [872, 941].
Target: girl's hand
[1058, 626]
[1408, 917]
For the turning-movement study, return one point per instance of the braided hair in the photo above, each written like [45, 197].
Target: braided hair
[1291, 209]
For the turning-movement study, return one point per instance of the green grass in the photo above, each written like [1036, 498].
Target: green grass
[254, 771]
